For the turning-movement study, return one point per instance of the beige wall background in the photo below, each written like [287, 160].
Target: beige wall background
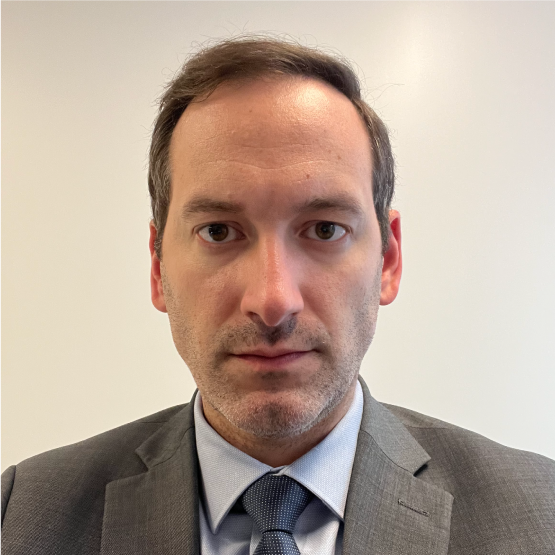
[467, 90]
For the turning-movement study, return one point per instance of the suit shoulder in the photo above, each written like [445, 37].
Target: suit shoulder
[54, 501]
[111, 451]
[508, 494]
[439, 437]
[413, 419]
[434, 433]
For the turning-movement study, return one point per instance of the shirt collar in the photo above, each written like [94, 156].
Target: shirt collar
[325, 470]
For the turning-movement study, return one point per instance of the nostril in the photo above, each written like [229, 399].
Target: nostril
[272, 312]
[272, 335]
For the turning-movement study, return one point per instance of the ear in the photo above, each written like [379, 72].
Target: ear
[392, 261]
[156, 289]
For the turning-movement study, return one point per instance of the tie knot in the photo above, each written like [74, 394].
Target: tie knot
[276, 502]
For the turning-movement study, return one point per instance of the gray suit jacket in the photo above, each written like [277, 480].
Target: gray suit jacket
[419, 486]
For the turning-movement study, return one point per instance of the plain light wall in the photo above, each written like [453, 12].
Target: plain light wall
[467, 91]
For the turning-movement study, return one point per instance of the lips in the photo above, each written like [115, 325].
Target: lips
[271, 359]
[271, 353]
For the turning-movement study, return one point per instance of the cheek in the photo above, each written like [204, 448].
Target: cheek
[346, 301]
[341, 288]
[209, 293]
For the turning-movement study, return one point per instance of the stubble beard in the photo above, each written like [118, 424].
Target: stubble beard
[290, 413]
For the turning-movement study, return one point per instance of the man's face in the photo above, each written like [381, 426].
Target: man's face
[271, 268]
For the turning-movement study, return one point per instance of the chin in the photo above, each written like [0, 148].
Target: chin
[277, 416]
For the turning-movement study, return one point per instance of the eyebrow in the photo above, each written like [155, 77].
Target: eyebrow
[207, 205]
[338, 201]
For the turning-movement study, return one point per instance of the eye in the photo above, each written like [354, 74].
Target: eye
[218, 233]
[326, 231]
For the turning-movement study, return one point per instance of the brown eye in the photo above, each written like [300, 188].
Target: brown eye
[325, 230]
[218, 232]
[328, 232]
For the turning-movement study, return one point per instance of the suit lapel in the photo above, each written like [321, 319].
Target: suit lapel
[156, 513]
[389, 511]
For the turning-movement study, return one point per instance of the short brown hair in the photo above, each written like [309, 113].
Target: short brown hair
[249, 58]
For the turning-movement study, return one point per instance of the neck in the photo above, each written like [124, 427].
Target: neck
[281, 451]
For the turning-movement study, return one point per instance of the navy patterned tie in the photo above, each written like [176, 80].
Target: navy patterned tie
[275, 503]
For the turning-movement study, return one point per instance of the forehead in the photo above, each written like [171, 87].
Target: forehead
[267, 137]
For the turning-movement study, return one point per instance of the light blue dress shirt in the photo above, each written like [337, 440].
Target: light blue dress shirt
[227, 472]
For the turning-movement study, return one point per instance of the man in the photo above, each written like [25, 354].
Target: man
[273, 245]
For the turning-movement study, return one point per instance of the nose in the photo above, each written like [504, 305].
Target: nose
[272, 294]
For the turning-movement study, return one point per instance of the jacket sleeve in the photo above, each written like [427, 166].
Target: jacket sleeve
[8, 477]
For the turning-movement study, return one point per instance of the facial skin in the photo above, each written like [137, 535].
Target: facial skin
[272, 270]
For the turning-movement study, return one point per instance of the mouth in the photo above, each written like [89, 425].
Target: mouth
[266, 359]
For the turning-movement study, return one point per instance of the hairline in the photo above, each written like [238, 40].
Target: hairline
[246, 80]
[333, 70]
